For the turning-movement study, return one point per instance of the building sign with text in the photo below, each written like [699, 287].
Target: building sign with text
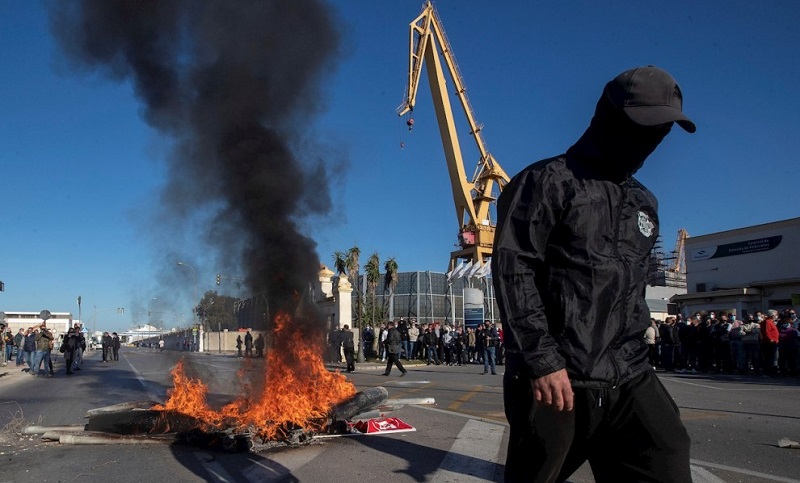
[738, 248]
[473, 307]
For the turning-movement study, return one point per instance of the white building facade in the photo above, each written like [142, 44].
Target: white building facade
[58, 323]
[743, 270]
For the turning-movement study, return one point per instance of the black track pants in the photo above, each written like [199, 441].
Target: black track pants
[628, 434]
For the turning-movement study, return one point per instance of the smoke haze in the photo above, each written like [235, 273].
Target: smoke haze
[233, 85]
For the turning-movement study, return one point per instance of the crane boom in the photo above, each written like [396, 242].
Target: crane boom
[679, 265]
[473, 198]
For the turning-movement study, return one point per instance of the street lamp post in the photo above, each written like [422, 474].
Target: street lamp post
[203, 320]
[198, 340]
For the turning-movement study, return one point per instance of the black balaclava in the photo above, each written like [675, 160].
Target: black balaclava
[614, 147]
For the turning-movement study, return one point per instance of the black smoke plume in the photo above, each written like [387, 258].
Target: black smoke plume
[234, 85]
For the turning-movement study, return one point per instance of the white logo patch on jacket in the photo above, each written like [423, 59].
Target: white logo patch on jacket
[645, 224]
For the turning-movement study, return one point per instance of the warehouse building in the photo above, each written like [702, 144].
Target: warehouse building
[743, 270]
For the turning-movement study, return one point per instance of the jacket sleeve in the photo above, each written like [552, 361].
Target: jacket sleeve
[527, 212]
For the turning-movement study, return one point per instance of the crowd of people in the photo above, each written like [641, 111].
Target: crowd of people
[110, 345]
[259, 344]
[433, 343]
[764, 343]
[33, 348]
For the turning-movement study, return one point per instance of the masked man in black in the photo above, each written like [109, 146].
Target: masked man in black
[570, 263]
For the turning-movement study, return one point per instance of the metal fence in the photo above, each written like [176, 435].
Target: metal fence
[428, 297]
[425, 296]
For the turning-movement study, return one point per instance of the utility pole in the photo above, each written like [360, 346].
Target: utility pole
[194, 311]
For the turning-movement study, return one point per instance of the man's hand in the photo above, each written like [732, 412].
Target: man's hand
[554, 390]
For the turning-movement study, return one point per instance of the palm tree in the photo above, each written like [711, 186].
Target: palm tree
[352, 261]
[352, 271]
[373, 274]
[340, 262]
[390, 282]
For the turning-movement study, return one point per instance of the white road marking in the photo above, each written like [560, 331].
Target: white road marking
[473, 455]
[211, 465]
[154, 395]
[395, 383]
[462, 415]
[743, 471]
[280, 464]
[732, 388]
[702, 475]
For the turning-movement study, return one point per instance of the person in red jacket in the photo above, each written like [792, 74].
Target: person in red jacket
[769, 342]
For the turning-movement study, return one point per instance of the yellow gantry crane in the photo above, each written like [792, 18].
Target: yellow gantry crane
[679, 265]
[473, 198]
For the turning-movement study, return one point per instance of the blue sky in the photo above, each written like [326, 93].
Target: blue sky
[80, 169]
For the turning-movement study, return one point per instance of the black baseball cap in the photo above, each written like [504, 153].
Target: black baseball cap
[649, 96]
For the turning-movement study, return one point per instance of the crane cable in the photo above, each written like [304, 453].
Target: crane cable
[410, 124]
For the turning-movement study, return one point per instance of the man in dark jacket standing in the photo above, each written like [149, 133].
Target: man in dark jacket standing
[115, 345]
[107, 343]
[570, 263]
[393, 340]
[29, 347]
[248, 345]
[19, 341]
[349, 348]
[68, 347]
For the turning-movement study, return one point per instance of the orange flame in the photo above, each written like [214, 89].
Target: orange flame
[298, 390]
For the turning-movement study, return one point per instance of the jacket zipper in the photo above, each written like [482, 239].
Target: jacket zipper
[627, 278]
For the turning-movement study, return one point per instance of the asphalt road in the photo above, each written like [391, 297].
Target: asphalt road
[735, 424]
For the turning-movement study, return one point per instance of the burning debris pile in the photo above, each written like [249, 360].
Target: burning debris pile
[299, 399]
[147, 422]
[297, 391]
[139, 423]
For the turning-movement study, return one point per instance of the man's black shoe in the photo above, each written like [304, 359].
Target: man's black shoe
[403, 373]
[384, 374]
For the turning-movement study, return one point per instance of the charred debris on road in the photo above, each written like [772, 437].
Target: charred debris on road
[139, 423]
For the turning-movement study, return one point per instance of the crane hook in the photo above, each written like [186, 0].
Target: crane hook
[410, 123]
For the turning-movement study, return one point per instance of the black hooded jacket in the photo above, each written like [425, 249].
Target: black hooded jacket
[571, 254]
